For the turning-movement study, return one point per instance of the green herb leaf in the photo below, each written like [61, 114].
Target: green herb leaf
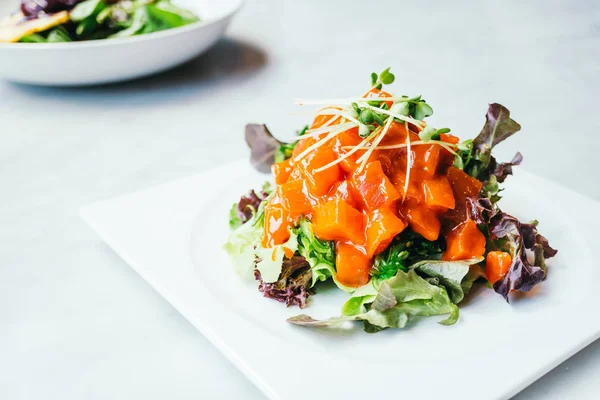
[378, 119]
[364, 130]
[140, 18]
[86, 9]
[58, 35]
[366, 116]
[33, 38]
[428, 133]
[386, 77]
[458, 162]
[422, 110]
[402, 108]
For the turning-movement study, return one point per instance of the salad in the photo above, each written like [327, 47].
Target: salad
[401, 215]
[53, 21]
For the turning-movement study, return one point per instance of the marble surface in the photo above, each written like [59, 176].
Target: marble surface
[77, 322]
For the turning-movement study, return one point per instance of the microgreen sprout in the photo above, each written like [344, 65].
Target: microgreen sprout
[373, 116]
[427, 133]
[361, 146]
[384, 78]
[430, 133]
[285, 150]
[417, 107]
[334, 132]
[464, 154]
[401, 108]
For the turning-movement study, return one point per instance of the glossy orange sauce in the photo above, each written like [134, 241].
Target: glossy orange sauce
[363, 210]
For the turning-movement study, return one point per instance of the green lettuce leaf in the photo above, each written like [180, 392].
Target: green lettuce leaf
[135, 23]
[356, 304]
[85, 15]
[58, 35]
[240, 247]
[271, 259]
[33, 38]
[450, 274]
[86, 9]
[319, 253]
[398, 299]
[243, 240]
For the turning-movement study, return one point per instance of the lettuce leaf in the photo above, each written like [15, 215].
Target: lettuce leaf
[477, 158]
[265, 149]
[240, 247]
[262, 146]
[320, 255]
[244, 210]
[450, 274]
[271, 258]
[396, 301]
[293, 285]
[245, 237]
[362, 296]
[507, 233]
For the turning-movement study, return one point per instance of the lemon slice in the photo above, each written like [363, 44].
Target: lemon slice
[14, 27]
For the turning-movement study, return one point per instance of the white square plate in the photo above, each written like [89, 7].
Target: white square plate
[172, 236]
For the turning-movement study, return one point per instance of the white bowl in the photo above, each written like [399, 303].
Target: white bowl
[113, 60]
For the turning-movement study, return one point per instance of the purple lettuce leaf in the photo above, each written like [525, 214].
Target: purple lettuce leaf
[477, 159]
[498, 127]
[33, 8]
[533, 239]
[248, 205]
[293, 285]
[262, 146]
[502, 170]
[507, 233]
[243, 211]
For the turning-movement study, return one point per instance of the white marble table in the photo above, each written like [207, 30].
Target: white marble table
[76, 322]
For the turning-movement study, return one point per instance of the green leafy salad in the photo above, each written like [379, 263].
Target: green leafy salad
[401, 215]
[53, 21]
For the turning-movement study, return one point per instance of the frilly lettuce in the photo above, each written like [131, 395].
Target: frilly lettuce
[396, 301]
[319, 254]
[453, 275]
[244, 238]
[240, 247]
[271, 259]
